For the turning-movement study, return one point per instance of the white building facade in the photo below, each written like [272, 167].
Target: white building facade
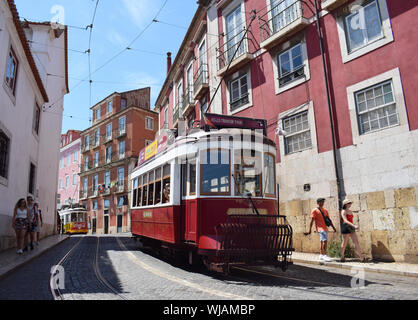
[31, 106]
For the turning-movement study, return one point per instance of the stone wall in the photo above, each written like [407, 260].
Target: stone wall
[388, 222]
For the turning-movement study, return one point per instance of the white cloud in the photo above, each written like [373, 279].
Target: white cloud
[116, 38]
[141, 11]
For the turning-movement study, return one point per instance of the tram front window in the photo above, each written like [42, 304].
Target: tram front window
[247, 175]
[74, 217]
[269, 175]
[215, 172]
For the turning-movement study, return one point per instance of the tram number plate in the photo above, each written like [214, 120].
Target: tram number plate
[147, 215]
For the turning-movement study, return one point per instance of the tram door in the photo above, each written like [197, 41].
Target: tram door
[189, 202]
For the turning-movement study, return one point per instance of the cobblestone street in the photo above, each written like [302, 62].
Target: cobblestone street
[110, 268]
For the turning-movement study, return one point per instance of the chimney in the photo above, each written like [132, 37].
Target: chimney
[168, 62]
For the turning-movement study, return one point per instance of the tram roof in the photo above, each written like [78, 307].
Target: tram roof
[203, 135]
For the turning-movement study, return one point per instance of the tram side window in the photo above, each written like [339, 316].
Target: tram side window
[166, 183]
[269, 175]
[135, 192]
[158, 186]
[192, 177]
[184, 179]
[139, 193]
[74, 217]
[151, 189]
[247, 175]
[80, 217]
[215, 172]
[145, 191]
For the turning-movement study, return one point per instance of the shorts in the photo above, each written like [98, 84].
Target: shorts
[347, 229]
[31, 227]
[21, 224]
[323, 236]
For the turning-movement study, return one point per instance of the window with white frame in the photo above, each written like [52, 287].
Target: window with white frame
[11, 71]
[97, 137]
[36, 119]
[122, 149]
[97, 114]
[166, 117]
[363, 26]
[122, 125]
[109, 132]
[4, 154]
[108, 154]
[121, 177]
[96, 159]
[85, 186]
[123, 104]
[234, 32]
[149, 123]
[32, 178]
[298, 134]
[238, 92]
[107, 179]
[291, 66]
[86, 163]
[376, 107]
[60, 184]
[95, 183]
[67, 182]
[109, 107]
[75, 156]
[74, 179]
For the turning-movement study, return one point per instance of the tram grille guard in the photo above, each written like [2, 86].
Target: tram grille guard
[255, 240]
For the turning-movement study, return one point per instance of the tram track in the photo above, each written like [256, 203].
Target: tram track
[55, 287]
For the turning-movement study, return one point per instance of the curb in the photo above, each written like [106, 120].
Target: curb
[39, 253]
[347, 266]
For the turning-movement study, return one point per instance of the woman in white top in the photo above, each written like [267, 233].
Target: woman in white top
[20, 223]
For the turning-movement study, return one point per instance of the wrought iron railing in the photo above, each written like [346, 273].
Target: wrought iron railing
[201, 77]
[188, 98]
[281, 14]
[232, 49]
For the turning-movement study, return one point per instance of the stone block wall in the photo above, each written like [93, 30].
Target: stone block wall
[388, 222]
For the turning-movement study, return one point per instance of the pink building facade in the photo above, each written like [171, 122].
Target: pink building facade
[69, 169]
[266, 57]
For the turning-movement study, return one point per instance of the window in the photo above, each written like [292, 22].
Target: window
[192, 178]
[95, 205]
[123, 104]
[269, 175]
[106, 204]
[166, 196]
[158, 185]
[86, 142]
[109, 107]
[4, 154]
[121, 177]
[376, 108]
[284, 12]
[95, 183]
[67, 182]
[166, 118]
[298, 134]
[215, 172]
[145, 190]
[36, 119]
[61, 163]
[60, 184]
[107, 180]
[247, 176]
[122, 125]
[363, 26]
[238, 89]
[85, 187]
[139, 193]
[86, 164]
[97, 114]
[291, 65]
[134, 192]
[74, 179]
[121, 201]
[69, 160]
[97, 137]
[11, 72]
[96, 159]
[109, 132]
[234, 33]
[109, 154]
[121, 150]
[32, 177]
[75, 156]
[149, 123]
[151, 180]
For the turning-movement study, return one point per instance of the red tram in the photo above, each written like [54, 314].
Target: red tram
[211, 194]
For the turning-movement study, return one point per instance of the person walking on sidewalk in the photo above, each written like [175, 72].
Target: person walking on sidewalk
[20, 223]
[38, 226]
[322, 221]
[32, 223]
[348, 229]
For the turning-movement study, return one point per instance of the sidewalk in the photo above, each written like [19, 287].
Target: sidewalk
[395, 268]
[9, 260]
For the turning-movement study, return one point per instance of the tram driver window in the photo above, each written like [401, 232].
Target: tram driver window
[135, 192]
[269, 175]
[215, 172]
[247, 175]
[166, 183]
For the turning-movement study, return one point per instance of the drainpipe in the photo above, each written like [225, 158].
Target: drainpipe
[334, 148]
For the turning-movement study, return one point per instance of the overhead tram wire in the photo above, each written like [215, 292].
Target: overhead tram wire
[89, 49]
[114, 57]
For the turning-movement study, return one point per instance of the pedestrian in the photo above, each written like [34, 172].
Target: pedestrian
[348, 230]
[39, 223]
[166, 193]
[32, 223]
[322, 221]
[20, 223]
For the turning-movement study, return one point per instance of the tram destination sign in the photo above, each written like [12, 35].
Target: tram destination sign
[154, 148]
[223, 121]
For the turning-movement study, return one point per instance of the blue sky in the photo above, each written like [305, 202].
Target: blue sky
[117, 23]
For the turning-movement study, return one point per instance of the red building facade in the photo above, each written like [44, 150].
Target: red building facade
[123, 125]
[266, 57]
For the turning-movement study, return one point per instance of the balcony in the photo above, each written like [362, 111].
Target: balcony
[232, 55]
[188, 101]
[85, 148]
[121, 132]
[280, 23]
[332, 4]
[95, 144]
[201, 81]
[177, 112]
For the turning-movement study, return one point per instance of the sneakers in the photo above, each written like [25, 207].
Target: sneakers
[324, 258]
[20, 251]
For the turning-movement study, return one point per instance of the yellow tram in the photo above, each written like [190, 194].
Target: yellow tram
[74, 221]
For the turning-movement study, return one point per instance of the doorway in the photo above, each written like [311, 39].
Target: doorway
[119, 223]
[106, 224]
[94, 227]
